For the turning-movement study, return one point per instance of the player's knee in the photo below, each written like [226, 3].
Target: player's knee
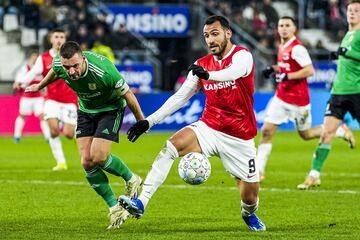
[69, 135]
[266, 134]
[87, 162]
[99, 157]
[54, 132]
[327, 136]
[304, 135]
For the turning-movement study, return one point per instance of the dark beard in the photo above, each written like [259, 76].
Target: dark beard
[222, 49]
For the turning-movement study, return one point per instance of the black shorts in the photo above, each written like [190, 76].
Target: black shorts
[338, 105]
[101, 125]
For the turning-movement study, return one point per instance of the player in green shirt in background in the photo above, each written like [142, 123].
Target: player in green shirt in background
[345, 94]
[103, 95]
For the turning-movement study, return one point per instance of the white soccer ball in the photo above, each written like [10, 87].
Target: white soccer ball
[194, 168]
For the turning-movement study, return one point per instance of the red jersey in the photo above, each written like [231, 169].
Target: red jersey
[294, 92]
[229, 105]
[35, 81]
[58, 90]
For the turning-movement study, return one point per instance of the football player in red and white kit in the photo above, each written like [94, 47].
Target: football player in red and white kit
[292, 100]
[226, 129]
[60, 100]
[29, 102]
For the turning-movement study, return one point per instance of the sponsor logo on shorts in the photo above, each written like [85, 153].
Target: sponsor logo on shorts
[78, 132]
[250, 176]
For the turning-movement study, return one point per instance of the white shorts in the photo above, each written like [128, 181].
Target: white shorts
[279, 112]
[237, 155]
[65, 112]
[31, 105]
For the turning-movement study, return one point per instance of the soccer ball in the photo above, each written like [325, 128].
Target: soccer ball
[194, 168]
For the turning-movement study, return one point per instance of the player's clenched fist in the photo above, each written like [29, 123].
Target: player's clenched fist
[137, 129]
[199, 71]
[33, 88]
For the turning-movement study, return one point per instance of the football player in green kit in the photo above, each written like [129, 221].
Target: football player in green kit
[103, 95]
[345, 93]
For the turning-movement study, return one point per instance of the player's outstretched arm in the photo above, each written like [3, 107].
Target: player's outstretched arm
[49, 78]
[134, 105]
[141, 125]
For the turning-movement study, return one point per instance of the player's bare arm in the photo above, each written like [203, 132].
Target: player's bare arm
[49, 78]
[305, 72]
[134, 105]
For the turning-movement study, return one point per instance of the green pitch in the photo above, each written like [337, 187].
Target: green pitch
[36, 203]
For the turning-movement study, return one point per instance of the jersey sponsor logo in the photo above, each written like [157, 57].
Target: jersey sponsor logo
[88, 95]
[219, 85]
[92, 86]
[286, 56]
[284, 65]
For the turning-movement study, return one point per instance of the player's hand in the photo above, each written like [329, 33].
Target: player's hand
[199, 71]
[281, 77]
[33, 88]
[335, 55]
[17, 85]
[268, 71]
[137, 129]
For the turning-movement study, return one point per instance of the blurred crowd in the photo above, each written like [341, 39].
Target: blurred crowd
[84, 23]
[259, 17]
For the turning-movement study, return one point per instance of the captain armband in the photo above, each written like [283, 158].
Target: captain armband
[121, 87]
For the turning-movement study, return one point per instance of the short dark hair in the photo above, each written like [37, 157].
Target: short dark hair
[57, 30]
[289, 18]
[69, 49]
[223, 21]
[352, 1]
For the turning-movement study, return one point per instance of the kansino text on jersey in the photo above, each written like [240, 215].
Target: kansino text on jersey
[220, 85]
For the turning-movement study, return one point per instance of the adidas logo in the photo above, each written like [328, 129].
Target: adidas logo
[106, 131]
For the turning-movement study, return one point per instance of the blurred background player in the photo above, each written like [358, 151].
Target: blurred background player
[29, 102]
[103, 96]
[226, 129]
[292, 100]
[60, 100]
[345, 93]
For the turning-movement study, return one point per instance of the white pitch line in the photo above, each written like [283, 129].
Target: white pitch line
[74, 183]
[283, 173]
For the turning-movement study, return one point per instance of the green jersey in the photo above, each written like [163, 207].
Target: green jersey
[97, 89]
[347, 79]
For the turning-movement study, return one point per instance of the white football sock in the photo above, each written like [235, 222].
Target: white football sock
[158, 172]
[45, 129]
[314, 173]
[56, 148]
[247, 209]
[19, 125]
[262, 156]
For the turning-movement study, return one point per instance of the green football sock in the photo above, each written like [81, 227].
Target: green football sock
[100, 183]
[321, 153]
[116, 166]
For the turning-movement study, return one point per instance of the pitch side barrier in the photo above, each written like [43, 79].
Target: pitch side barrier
[184, 116]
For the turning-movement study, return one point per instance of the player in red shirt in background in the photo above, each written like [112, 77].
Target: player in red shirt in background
[29, 102]
[60, 100]
[226, 129]
[292, 100]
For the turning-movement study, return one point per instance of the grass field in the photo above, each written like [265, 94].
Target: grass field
[36, 203]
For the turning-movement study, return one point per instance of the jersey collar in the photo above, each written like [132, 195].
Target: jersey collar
[289, 42]
[228, 54]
